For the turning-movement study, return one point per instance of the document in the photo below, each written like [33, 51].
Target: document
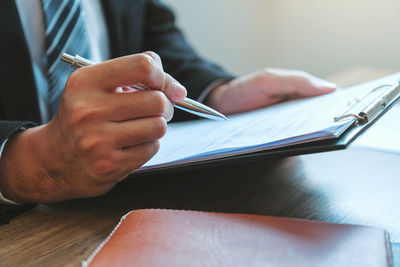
[385, 135]
[281, 125]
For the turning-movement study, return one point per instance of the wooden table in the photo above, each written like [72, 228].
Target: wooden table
[355, 186]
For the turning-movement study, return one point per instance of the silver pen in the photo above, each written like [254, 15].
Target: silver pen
[186, 104]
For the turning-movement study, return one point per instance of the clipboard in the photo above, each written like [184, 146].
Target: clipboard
[362, 120]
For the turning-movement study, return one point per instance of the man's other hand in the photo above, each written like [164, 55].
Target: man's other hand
[102, 131]
[264, 88]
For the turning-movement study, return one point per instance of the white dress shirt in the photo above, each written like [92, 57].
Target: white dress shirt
[32, 20]
[33, 25]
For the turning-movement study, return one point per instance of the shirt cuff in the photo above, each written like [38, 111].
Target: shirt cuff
[4, 200]
[210, 87]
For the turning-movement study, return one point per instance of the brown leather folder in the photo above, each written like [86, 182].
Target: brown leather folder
[192, 238]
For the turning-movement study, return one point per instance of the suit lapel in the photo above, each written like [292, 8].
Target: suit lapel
[125, 24]
[18, 97]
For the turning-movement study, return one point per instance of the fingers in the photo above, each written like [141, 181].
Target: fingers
[139, 104]
[129, 145]
[145, 69]
[104, 130]
[127, 70]
[323, 86]
[170, 85]
[313, 86]
[295, 84]
[131, 133]
[122, 162]
[134, 157]
[170, 82]
[135, 143]
[155, 56]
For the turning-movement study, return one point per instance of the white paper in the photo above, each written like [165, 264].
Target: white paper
[384, 134]
[280, 125]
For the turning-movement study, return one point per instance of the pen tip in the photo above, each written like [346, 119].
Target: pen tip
[223, 117]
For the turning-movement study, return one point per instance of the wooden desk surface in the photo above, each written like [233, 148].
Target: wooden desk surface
[355, 186]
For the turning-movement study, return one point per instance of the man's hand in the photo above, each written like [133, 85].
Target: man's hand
[264, 88]
[100, 133]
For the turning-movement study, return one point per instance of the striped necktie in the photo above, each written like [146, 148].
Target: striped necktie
[65, 32]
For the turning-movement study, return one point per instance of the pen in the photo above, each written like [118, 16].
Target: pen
[186, 104]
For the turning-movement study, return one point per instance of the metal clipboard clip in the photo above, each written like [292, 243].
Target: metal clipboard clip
[391, 95]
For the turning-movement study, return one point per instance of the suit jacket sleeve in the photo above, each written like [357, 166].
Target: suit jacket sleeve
[162, 36]
[7, 129]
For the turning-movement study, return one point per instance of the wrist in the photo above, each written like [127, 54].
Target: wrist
[23, 176]
[215, 97]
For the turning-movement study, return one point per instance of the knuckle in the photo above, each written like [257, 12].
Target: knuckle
[264, 76]
[153, 54]
[168, 82]
[268, 72]
[169, 114]
[155, 147]
[147, 152]
[83, 111]
[88, 144]
[78, 112]
[160, 127]
[74, 80]
[105, 166]
[145, 63]
[265, 71]
[158, 102]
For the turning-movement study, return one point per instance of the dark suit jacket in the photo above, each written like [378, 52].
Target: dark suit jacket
[134, 26]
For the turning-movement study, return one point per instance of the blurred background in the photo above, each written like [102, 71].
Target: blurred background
[344, 41]
[321, 37]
